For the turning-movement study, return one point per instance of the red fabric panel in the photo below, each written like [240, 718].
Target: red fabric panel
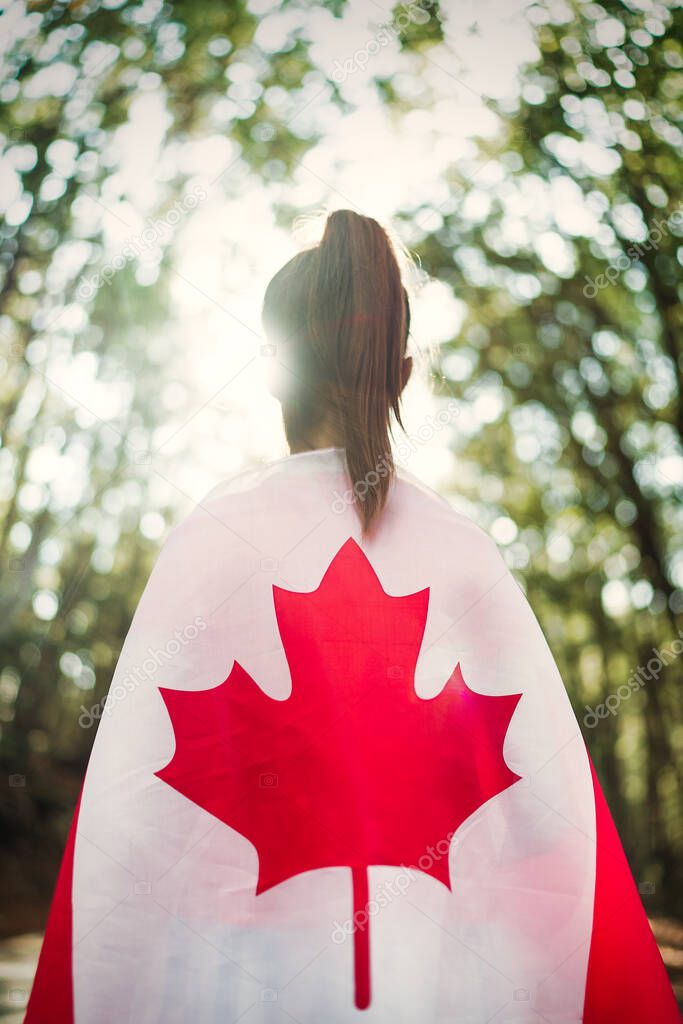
[52, 998]
[627, 982]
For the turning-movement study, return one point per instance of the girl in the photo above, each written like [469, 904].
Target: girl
[338, 777]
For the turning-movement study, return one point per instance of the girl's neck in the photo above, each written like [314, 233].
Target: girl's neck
[323, 437]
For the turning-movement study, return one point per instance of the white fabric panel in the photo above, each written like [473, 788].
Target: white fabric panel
[167, 924]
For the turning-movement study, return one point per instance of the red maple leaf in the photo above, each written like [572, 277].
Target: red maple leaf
[354, 768]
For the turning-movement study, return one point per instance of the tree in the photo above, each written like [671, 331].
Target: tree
[563, 241]
[77, 539]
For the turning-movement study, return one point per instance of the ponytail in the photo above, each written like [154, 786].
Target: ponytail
[345, 309]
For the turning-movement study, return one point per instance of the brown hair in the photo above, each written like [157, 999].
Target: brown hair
[342, 314]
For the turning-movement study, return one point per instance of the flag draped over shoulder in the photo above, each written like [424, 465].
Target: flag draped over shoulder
[340, 780]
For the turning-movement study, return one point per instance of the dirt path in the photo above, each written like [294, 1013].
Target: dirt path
[18, 958]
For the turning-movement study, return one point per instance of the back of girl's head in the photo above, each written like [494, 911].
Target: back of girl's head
[340, 316]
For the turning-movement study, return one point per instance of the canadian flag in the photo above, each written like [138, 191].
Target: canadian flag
[339, 779]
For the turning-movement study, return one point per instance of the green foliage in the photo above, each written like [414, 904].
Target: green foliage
[75, 547]
[564, 242]
[567, 367]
